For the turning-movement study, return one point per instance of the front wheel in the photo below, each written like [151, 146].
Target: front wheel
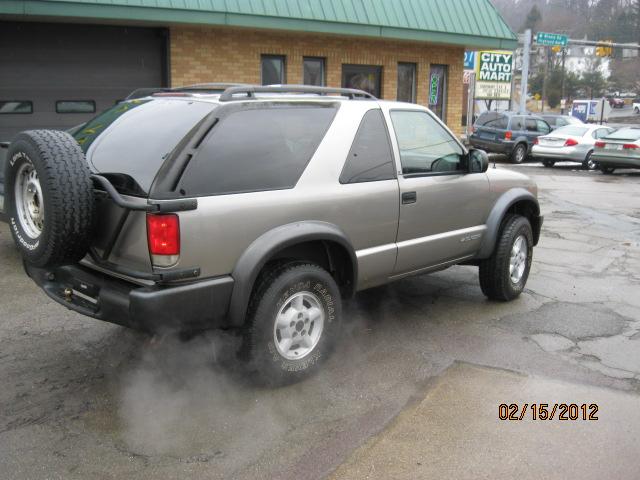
[589, 163]
[293, 322]
[519, 153]
[504, 274]
[607, 170]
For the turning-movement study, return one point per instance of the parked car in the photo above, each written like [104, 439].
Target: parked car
[616, 102]
[636, 106]
[572, 143]
[620, 149]
[509, 133]
[557, 121]
[260, 210]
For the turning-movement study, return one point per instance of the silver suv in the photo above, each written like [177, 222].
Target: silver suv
[259, 209]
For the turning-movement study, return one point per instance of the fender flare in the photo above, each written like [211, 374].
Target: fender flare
[264, 247]
[494, 220]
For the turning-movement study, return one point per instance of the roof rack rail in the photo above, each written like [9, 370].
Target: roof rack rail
[216, 86]
[145, 92]
[250, 91]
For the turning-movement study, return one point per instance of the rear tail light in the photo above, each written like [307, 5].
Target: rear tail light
[600, 144]
[163, 237]
[508, 135]
[570, 142]
[630, 146]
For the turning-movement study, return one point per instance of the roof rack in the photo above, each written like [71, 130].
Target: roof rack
[198, 87]
[250, 91]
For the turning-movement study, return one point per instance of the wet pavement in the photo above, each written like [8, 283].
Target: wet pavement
[83, 399]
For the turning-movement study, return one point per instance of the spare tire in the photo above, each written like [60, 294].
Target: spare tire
[48, 197]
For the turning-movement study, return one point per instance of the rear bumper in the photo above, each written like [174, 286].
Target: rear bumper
[491, 146]
[570, 154]
[195, 305]
[620, 162]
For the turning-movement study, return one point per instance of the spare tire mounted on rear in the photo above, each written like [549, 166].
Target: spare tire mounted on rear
[48, 197]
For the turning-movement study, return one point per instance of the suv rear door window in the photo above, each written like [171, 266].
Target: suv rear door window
[256, 149]
[517, 124]
[369, 159]
[531, 125]
[425, 146]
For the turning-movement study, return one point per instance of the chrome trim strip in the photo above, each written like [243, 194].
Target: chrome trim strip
[439, 236]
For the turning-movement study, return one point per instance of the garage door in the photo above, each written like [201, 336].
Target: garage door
[60, 75]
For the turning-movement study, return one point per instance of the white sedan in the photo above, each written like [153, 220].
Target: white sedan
[571, 143]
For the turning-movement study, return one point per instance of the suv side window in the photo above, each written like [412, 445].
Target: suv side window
[500, 122]
[425, 146]
[531, 125]
[517, 124]
[370, 158]
[543, 127]
[257, 149]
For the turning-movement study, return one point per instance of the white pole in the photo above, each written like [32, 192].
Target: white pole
[525, 71]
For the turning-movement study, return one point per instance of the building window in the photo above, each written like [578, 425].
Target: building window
[75, 106]
[15, 106]
[313, 71]
[407, 82]
[273, 70]
[438, 91]
[363, 77]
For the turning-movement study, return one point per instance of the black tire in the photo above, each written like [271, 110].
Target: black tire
[548, 163]
[519, 153]
[494, 273]
[272, 294]
[63, 202]
[607, 170]
[589, 164]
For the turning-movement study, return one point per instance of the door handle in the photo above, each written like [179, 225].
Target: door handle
[409, 197]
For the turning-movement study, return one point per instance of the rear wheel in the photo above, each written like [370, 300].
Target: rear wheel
[548, 163]
[589, 163]
[48, 197]
[607, 170]
[293, 322]
[519, 153]
[504, 274]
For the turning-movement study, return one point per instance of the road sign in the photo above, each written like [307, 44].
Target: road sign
[551, 39]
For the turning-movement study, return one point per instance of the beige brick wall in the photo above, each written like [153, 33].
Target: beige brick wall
[208, 54]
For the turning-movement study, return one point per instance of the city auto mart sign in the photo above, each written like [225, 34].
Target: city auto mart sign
[494, 71]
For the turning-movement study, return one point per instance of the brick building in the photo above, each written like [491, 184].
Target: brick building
[65, 60]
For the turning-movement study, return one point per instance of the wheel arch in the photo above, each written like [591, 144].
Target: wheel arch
[318, 242]
[518, 201]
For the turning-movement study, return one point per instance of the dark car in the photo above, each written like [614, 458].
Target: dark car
[557, 121]
[509, 133]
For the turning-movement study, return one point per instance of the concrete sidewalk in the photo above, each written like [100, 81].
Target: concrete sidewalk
[454, 432]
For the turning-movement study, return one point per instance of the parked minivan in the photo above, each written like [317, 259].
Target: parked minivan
[510, 133]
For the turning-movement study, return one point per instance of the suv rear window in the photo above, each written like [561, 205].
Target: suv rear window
[258, 149]
[134, 138]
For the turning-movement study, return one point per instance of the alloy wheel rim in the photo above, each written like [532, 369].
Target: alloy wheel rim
[520, 155]
[29, 200]
[298, 325]
[518, 259]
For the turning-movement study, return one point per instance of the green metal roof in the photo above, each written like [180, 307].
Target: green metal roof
[472, 23]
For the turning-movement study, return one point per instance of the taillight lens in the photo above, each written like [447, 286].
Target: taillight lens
[570, 142]
[600, 144]
[163, 236]
[508, 135]
[630, 146]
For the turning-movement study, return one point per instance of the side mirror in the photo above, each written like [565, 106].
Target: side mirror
[478, 161]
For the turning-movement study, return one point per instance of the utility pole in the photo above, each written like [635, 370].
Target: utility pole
[546, 75]
[564, 54]
[525, 71]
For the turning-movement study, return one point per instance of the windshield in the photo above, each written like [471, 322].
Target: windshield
[134, 137]
[571, 130]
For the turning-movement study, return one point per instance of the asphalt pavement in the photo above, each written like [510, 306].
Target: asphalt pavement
[82, 399]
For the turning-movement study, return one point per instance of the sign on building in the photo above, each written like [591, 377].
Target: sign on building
[434, 89]
[494, 71]
[469, 60]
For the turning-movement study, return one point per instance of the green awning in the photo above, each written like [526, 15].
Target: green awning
[469, 23]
